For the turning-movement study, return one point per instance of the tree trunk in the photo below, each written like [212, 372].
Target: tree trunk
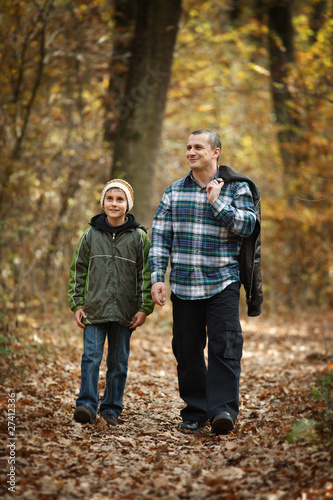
[281, 55]
[317, 18]
[141, 108]
[33, 34]
[124, 16]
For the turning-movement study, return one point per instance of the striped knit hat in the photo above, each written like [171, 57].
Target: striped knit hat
[120, 184]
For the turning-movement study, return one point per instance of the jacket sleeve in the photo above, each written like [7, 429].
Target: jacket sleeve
[254, 293]
[78, 274]
[254, 303]
[147, 303]
[250, 268]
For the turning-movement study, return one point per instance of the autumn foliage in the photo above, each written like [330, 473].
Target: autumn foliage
[275, 120]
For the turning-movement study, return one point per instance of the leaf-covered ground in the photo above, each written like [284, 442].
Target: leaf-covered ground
[146, 456]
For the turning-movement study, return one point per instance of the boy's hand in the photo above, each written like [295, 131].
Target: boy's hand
[138, 320]
[158, 293]
[79, 314]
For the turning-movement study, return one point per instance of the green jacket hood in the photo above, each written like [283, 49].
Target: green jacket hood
[99, 221]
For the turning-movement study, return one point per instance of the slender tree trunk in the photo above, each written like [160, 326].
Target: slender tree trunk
[141, 108]
[281, 55]
[34, 33]
[317, 18]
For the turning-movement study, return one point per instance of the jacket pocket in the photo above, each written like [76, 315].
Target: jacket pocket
[233, 340]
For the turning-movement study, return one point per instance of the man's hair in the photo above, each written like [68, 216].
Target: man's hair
[213, 138]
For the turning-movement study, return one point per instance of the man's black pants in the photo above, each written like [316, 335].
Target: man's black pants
[208, 390]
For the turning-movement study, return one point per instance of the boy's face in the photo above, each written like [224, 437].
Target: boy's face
[115, 206]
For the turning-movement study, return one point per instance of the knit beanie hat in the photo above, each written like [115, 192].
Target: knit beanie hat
[120, 184]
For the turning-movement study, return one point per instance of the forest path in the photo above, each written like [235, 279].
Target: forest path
[146, 456]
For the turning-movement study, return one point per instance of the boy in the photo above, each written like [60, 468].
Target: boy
[109, 293]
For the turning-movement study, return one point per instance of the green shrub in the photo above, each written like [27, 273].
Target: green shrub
[320, 425]
[323, 398]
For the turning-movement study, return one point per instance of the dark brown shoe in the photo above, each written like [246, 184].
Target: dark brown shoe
[109, 419]
[84, 415]
[222, 423]
[192, 426]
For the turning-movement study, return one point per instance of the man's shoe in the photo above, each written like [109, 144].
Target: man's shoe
[190, 425]
[109, 419]
[222, 423]
[84, 415]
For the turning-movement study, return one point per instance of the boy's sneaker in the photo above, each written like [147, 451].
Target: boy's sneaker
[84, 415]
[109, 419]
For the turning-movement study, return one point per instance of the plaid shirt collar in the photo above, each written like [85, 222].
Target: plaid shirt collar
[189, 179]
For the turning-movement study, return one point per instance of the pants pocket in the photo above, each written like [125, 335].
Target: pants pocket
[233, 340]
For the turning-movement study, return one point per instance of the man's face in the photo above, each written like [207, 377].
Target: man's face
[199, 152]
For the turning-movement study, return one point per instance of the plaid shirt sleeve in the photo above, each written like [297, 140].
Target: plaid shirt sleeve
[236, 210]
[162, 236]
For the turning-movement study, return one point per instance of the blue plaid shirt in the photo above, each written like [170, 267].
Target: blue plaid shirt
[203, 240]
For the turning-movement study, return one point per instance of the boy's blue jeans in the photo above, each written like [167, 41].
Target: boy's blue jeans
[117, 362]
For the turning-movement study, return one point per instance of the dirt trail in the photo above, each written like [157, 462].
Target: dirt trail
[146, 456]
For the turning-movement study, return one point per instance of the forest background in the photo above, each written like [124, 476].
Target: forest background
[90, 91]
[112, 88]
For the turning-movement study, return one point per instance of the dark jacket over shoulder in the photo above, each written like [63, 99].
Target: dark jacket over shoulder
[250, 253]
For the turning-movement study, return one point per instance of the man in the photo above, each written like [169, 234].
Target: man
[201, 223]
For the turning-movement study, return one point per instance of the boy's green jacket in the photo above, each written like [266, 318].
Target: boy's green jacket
[109, 274]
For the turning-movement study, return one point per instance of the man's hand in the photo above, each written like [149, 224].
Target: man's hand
[213, 189]
[138, 320]
[79, 314]
[158, 293]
